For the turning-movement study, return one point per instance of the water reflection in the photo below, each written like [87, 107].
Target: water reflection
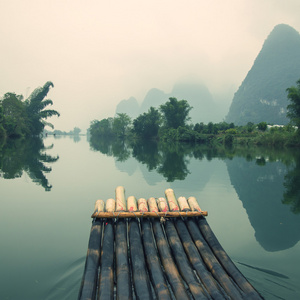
[291, 195]
[262, 182]
[18, 156]
[267, 181]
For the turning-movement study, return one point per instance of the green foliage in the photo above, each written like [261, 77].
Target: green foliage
[14, 117]
[293, 109]
[102, 128]
[120, 125]
[147, 124]
[262, 126]
[35, 108]
[231, 131]
[20, 118]
[228, 139]
[175, 113]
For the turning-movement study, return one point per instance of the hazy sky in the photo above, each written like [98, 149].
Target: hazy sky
[99, 52]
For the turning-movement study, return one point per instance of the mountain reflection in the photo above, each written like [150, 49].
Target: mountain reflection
[18, 156]
[264, 182]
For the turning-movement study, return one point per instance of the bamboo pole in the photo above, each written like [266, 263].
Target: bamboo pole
[196, 261]
[99, 206]
[183, 204]
[193, 203]
[120, 199]
[182, 262]
[168, 263]
[106, 278]
[131, 204]
[211, 261]
[226, 262]
[152, 204]
[138, 214]
[89, 280]
[154, 267]
[162, 204]
[110, 205]
[138, 266]
[173, 204]
[142, 204]
[124, 288]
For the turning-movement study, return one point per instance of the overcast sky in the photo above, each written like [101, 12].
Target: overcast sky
[99, 52]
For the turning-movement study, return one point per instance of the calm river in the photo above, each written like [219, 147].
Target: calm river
[48, 194]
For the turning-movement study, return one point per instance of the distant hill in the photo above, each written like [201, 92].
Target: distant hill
[262, 95]
[197, 95]
[128, 106]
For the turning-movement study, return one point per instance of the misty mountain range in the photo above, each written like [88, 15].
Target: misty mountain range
[198, 96]
[261, 96]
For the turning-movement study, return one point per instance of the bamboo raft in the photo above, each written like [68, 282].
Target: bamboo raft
[157, 249]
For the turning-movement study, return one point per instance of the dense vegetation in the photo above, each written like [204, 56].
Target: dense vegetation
[171, 123]
[23, 118]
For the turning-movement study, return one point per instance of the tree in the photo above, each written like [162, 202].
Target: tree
[262, 126]
[35, 108]
[121, 124]
[147, 124]
[2, 130]
[76, 131]
[293, 109]
[175, 113]
[101, 128]
[14, 118]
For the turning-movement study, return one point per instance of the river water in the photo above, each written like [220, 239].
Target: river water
[48, 191]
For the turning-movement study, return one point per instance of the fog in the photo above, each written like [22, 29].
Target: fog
[99, 52]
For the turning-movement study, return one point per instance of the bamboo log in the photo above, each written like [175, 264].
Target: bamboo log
[106, 278]
[131, 204]
[110, 205]
[172, 273]
[153, 262]
[226, 262]
[162, 204]
[142, 204]
[196, 261]
[183, 204]
[99, 206]
[138, 214]
[139, 273]
[193, 203]
[152, 205]
[124, 289]
[120, 199]
[171, 200]
[89, 280]
[211, 261]
[182, 262]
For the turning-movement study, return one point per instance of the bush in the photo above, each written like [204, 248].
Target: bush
[228, 140]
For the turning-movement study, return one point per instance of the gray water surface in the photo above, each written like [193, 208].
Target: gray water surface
[44, 225]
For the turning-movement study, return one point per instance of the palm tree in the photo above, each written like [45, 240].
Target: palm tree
[35, 108]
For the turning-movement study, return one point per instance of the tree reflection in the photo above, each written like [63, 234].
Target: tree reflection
[18, 156]
[172, 159]
[146, 152]
[111, 147]
[291, 183]
[173, 163]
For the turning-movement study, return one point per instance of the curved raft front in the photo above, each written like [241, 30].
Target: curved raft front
[157, 249]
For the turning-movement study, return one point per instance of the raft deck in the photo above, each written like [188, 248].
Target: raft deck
[160, 248]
